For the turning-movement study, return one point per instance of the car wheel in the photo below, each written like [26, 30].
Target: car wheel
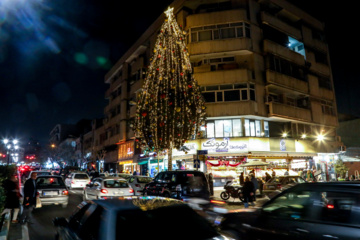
[64, 205]
[224, 196]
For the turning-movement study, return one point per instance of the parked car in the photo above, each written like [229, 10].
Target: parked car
[135, 218]
[52, 190]
[179, 184]
[304, 211]
[77, 180]
[138, 183]
[102, 188]
[278, 184]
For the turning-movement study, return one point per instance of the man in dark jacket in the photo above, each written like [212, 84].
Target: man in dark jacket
[29, 198]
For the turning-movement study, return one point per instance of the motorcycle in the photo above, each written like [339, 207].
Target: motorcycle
[232, 191]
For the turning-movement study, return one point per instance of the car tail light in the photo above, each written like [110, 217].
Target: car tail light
[137, 185]
[104, 191]
[217, 202]
[72, 182]
[131, 190]
[330, 206]
[178, 187]
[37, 193]
[65, 192]
[279, 186]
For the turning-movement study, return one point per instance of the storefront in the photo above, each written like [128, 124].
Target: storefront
[126, 158]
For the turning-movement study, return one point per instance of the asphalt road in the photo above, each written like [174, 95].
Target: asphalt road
[42, 227]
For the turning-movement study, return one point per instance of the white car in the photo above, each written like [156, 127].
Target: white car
[77, 180]
[137, 182]
[39, 173]
[102, 188]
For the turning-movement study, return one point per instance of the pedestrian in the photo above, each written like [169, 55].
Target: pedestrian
[241, 178]
[273, 174]
[147, 174]
[261, 185]
[256, 185]
[309, 176]
[267, 176]
[211, 184]
[134, 173]
[248, 193]
[29, 201]
[286, 173]
[12, 200]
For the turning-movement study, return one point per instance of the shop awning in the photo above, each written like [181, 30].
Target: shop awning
[255, 163]
[146, 160]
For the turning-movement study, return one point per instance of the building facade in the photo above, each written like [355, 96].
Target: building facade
[264, 71]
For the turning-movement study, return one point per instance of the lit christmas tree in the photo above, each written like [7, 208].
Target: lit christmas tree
[170, 108]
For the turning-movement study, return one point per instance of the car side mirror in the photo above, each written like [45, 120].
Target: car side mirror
[60, 222]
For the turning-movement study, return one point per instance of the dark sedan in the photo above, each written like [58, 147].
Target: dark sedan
[311, 211]
[135, 218]
[278, 184]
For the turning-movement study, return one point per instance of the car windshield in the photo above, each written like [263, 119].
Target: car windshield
[115, 184]
[49, 182]
[43, 173]
[81, 176]
[125, 176]
[181, 216]
[144, 179]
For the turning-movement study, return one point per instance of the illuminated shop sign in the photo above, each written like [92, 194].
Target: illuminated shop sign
[225, 145]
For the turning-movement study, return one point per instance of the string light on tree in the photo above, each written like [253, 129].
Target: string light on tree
[170, 109]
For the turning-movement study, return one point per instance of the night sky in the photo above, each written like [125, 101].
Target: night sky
[54, 56]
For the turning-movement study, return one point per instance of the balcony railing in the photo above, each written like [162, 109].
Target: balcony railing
[286, 81]
[290, 112]
[223, 76]
[224, 45]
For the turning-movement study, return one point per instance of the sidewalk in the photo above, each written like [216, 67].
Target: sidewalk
[18, 232]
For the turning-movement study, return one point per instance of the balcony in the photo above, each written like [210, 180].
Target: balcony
[137, 85]
[289, 112]
[278, 79]
[321, 68]
[280, 25]
[202, 19]
[284, 52]
[112, 87]
[329, 120]
[231, 108]
[234, 45]
[223, 76]
[326, 94]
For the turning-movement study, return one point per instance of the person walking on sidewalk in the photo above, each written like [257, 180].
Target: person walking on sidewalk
[13, 195]
[29, 198]
[241, 178]
[248, 192]
[256, 185]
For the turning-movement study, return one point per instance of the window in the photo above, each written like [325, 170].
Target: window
[115, 184]
[219, 128]
[327, 108]
[229, 92]
[81, 176]
[221, 31]
[237, 129]
[258, 128]
[285, 67]
[247, 127]
[266, 129]
[227, 128]
[210, 133]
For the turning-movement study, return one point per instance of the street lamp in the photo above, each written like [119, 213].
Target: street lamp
[11, 146]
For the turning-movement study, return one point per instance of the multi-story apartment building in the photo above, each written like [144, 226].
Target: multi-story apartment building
[264, 71]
